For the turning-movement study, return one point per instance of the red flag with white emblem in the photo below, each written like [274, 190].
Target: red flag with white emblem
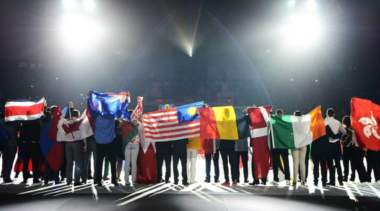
[365, 119]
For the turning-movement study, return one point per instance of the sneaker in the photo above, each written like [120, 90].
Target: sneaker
[331, 184]
[115, 183]
[234, 183]
[226, 183]
[175, 182]
[217, 181]
[185, 183]
[254, 183]
[287, 182]
[207, 181]
[341, 183]
[77, 184]
[275, 183]
[246, 181]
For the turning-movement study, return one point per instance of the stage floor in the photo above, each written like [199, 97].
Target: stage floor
[198, 196]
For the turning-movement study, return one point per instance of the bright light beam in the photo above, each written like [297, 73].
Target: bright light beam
[301, 31]
[69, 4]
[89, 5]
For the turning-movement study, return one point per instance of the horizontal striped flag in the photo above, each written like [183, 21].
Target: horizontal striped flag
[173, 124]
[291, 132]
[24, 110]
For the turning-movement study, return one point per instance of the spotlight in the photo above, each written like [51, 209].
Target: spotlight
[292, 2]
[89, 5]
[79, 32]
[301, 31]
[311, 4]
[191, 52]
[69, 4]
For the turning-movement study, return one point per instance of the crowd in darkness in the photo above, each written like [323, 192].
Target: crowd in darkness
[216, 88]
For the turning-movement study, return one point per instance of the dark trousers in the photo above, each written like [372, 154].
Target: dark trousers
[180, 153]
[244, 160]
[215, 158]
[30, 151]
[228, 155]
[373, 163]
[47, 173]
[9, 153]
[91, 150]
[101, 150]
[336, 156]
[63, 167]
[276, 153]
[330, 164]
[163, 153]
[320, 160]
[358, 165]
[347, 159]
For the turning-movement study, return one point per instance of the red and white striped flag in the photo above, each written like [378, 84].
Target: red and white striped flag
[165, 125]
[24, 110]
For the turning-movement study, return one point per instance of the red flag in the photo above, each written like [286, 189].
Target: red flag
[365, 117]
[259, 134]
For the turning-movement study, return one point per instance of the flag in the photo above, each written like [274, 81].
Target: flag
[166, 106]
[365, 116]
[66, 112]
[115, 104]
[130, 129]
[53, 151]
[259, 122]
[173, 124]
[70, 130]
[291, 132]
[24, 110]
[224, 122]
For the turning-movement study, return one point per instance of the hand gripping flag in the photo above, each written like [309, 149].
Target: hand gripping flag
[259, 140]
[115, 104]
[24, 110]
[70, 130]
[173, 124]
[365, 118]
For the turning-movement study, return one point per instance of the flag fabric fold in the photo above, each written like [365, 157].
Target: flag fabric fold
[224, 122]
[259, 128]
[53, 151]
[173, 124]
[365, 116]
[290, 132]
[24, 110]
[62, 129]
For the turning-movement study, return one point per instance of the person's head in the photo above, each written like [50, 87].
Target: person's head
[347, 121]
[75, 114]
[297, 113]
[330, 112]
[279, 112]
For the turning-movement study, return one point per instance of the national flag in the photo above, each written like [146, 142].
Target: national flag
[130, 129]
[24, 110]
[166, 106]
[70, 130]
[291, 132]
[365, 116]
[225, 122]
[259, 122]
[173, 124]
[53, 151]
[115, 104]
[66, 112]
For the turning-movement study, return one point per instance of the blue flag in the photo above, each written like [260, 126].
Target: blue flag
[188, 113]
[115, 104]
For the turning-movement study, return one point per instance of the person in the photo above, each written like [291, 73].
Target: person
[119, 148]
[373, 159]
[180, 154]
[211, 150]
[298, 155]
[30, 137]
[336, 127]
[104, 136]
[74, 153]
[91, 150]
[277, 154]
[320, 151]
[163, 152]
[352, 154]
[241, 151]
[227, 151]
[192, 152]
[9, 148]
[131, 153]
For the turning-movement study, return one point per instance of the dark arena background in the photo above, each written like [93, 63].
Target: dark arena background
[290, 54]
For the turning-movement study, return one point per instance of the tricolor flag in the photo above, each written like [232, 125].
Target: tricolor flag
[24, 110]
[365, 116]
[291, 132]
[62, 129]
[173, 124]
[225, 122]
[260, 122]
